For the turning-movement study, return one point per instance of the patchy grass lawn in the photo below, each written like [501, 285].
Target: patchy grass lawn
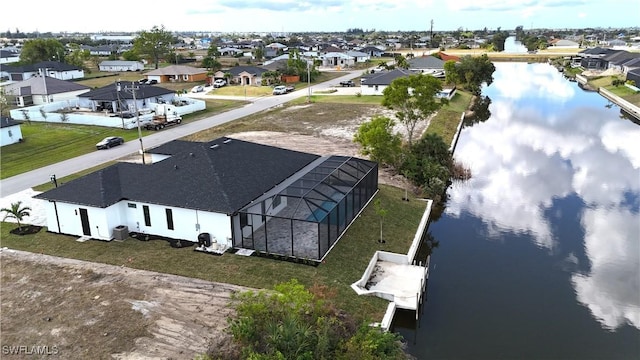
[344, 265]
[341, 99]
[100, 79]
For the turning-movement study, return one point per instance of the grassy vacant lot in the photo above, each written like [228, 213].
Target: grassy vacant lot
[445, 123]
[343, 266]
[341, 99]
[239, 90]
[47, 143]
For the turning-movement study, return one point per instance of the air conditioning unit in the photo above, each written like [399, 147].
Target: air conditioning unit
[120, 232]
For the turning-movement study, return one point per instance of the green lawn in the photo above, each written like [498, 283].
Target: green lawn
[238, 90]
[445, 122]
[47, 143]
[344, 265]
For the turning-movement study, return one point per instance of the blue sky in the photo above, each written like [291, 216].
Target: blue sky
[315, 15]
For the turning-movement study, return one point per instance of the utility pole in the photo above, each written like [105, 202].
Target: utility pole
[133, 89]
[431, 34]
[308, 81]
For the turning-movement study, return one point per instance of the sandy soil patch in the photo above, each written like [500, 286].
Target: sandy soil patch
[84, 310]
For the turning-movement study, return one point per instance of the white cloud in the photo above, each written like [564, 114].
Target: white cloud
[611, 288]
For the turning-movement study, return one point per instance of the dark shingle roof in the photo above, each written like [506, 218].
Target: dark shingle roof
[426, 62]
[7, 121]
[385, 78]
[110, 93]
[51, 65]
[254, 70]
[36, 86]
[220, 179]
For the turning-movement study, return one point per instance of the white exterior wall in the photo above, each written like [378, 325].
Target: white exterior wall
[71, 96]
[70, 223]
[187, 223]
[372, 89]
[123, 67]
[65, 75]
[10, 135]
[157, 78]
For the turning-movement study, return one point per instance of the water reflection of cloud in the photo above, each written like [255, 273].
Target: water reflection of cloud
[611, 289]
[523, 158]
[513, 81]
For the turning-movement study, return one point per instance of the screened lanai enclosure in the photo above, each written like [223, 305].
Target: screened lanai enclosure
[304, 216]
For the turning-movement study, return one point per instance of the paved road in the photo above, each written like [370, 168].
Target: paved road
[36, 177]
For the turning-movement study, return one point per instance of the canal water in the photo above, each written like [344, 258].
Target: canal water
[538, 254]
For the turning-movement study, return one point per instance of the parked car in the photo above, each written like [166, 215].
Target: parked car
[279, 90]
[152, 82]
[197, 89]
[142, 81]
[347, 83]
[109, 142]
[290, 88]
[219, 83]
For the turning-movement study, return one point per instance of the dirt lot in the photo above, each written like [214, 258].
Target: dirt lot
[84, 310]
[81, 310]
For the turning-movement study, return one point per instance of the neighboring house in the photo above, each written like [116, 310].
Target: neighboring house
[276, 46]
[372, 51]
[634, 75]
[243, 75]
[118, 97]
[359, 56]
[229, 51]
[177, 73]
[374, 84]
[121, 65]
[52, 69]
[427, 65]
[38, 90]
[630, 64]
[242, 194]
[446, 57]
[564, 43]
[278, 65]
[10, 131]
[591, 58]
[7, 57]
[337, 59]
[616, 59]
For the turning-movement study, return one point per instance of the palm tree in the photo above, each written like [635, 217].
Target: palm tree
[17, 211]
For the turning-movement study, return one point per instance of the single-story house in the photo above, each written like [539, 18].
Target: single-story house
[177, 73]
[592, 58]
[7, 57]
[121, 65]
[427, 65]
[243, 75]
[10, 132]
[337, 59]
[630, 64]
[615, 60]
[38, 90]
[230, 51]
[564, 43]
[359, 56]
[118, 97]
[54, 69]
[634, 75]
[243, 195]
[372, 51]
[374, 84]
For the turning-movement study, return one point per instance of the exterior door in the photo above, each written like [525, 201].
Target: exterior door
[84, 218]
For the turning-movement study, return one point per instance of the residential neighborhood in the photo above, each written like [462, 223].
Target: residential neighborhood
[318, 195]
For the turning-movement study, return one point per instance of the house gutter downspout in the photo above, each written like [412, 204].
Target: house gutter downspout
[55, 207]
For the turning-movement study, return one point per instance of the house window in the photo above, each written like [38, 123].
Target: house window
[169, 213]
[147, 217]
[132, 205]
[276, 201]
[244, 220]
